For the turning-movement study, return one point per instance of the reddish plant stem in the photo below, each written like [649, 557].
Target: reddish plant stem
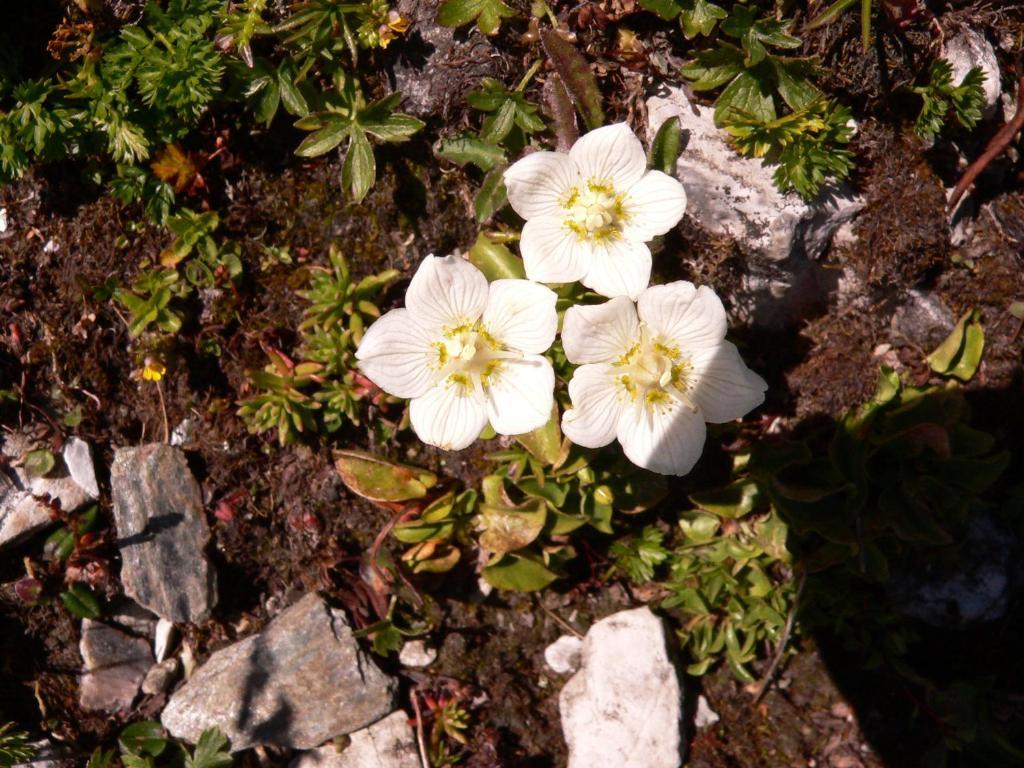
[999, 143]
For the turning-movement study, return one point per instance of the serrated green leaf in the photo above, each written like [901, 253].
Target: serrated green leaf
[210, 751]
[747, 95]
[699, 17]
[714, 68]
[665, 9]
[465, 148]
[487, 14]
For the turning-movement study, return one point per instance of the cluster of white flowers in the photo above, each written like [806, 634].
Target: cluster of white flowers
[654, 364]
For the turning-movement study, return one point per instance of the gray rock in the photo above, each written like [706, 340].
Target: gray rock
[21, 514]
[969, 48]
[735, 196]
[705, 716]
[162, 533]
[161, 676]
[923, 319]
[563, 655]
[388, 743]
[299, 682]
[436, 69]
[965, 584]
[623, 707]
[49, 754]
[115, 663]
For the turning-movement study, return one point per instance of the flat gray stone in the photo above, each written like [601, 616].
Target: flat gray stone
[115, 663]
[162, 533]
[161, 676]
[298, 683]
[623, 707]
[388, 743]
[21, 513]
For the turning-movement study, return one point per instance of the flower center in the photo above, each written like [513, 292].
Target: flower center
[595, 212]
[468, 357]
[654, 373]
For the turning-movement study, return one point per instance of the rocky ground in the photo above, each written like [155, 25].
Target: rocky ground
[230, 567]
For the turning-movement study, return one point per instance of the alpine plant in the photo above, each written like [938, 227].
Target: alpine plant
[590, 213]
[466, 353]
[652, 373]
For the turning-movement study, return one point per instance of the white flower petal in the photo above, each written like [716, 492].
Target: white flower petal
[597, 405]
[667, 439]
[611, 154]
[520, 395]
[448, 416]
[724, 388]
[618, 267]
[600, 333]
[689, 317]
[396, 354]
[446, 291]
[521, 315]
[653, 205]
[539, 183]
[552, 253]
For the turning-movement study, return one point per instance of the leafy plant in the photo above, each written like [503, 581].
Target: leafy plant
[486, 13]
[346, 117]
[145, 745]
[14, 747]
[805, 145]
[326, 383]
[939, 96]
[768, 102]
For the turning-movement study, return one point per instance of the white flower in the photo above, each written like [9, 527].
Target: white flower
[589, 213]
[653, 380]
[466, 353]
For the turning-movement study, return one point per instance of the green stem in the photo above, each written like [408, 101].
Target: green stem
[529, 75]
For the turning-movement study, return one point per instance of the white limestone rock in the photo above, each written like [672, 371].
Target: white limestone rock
[623, 707]
[563, 655]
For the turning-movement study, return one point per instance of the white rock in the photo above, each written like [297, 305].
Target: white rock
[563, 655]
[970, 48]
[388, 743]
[78, 458]
[3, 220]
[705, 716]
[416, 653]
[732, 195]
[21, 515]
[163, 638]
[623, 707]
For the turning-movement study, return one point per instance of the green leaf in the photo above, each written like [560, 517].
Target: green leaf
[666, 147]
[491, 196]
[325, 139]
[666, 9]
[544, 443]
[39, 463]
[211, 751]
[960, 354]
[699, 17]
[80, 601]
[792, 80]
[577, 76]
[292, 97]
[143, 738]
[465, 148]
[714, 68]
[735, 500]
[831, 13]
[495, 260]
[510, 529]
[747, 95]
[378, 479]
[360, 169]
[518, 573]
[487, 14]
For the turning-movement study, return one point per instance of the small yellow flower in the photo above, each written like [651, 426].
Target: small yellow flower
[395, 25]
[153, 370]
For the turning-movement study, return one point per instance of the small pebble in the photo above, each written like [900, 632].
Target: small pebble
[417, 653]
[563, 655]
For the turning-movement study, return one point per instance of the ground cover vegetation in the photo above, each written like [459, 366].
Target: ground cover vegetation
[268, 197]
